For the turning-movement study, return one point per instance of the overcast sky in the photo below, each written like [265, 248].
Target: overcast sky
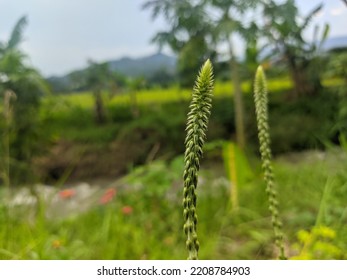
[63, 34]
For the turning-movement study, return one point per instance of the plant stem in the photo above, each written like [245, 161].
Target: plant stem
[261, 100]
[200, 110]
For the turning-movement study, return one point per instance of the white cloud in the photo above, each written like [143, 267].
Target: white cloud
[336, 11]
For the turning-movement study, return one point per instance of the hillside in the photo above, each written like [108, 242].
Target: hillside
[335, 42]
[147, 67]
[144, 66]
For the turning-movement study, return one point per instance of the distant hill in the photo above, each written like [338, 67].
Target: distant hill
[334, 43]
[329, 44]
[145, 66]
[149, 66]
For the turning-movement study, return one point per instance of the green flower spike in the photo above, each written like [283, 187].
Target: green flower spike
[200, 110]
[261, 100]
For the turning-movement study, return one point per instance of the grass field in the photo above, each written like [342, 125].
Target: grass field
[152, 96]
[85, 99]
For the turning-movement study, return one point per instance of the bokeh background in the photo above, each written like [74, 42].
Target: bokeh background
[94, 97]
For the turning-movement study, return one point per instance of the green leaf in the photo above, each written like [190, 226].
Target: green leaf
[16, 35]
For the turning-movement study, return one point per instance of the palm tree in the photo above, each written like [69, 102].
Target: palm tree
[99, 78]
[284, 29]
[15, 74]
[23, 81]
[189, 34]
[196, 28]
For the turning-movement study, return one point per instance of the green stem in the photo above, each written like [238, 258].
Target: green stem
[200, 110]
[261, 100]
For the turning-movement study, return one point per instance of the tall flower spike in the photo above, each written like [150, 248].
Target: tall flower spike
[261, 100]
[199, 113]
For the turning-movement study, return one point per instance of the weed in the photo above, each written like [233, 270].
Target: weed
[198, 116]
[260, 100]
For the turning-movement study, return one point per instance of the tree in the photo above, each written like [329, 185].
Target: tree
[133, 86]
[196, 29]
[24, 82]
[99, 77]
[162, 78]
[229, 23]
[284, 28]
[189, 34]
[337, 68]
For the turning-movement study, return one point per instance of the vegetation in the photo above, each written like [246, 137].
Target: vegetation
[260, 100]
[200, 109]
[285, 32]
[21, 87]
[126, 137]
[188, 35]
[156, 214]
[99, 77]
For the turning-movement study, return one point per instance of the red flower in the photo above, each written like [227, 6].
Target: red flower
[107, 196]
[127, 210]
[67, 193]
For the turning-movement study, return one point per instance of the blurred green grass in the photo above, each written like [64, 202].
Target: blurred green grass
[153, 227]
[173, 94]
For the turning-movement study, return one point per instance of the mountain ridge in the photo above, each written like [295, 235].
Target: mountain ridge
[155, 61]
[146, 67]
[151, 65]
[143, 66]
[169, 62]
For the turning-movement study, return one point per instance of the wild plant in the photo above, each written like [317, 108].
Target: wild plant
[229, 156]
[7, 113]
[261, 100]
[198, 116]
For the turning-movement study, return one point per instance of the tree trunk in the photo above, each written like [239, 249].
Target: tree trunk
[100, 116]
[133, 101]
[238, 102]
